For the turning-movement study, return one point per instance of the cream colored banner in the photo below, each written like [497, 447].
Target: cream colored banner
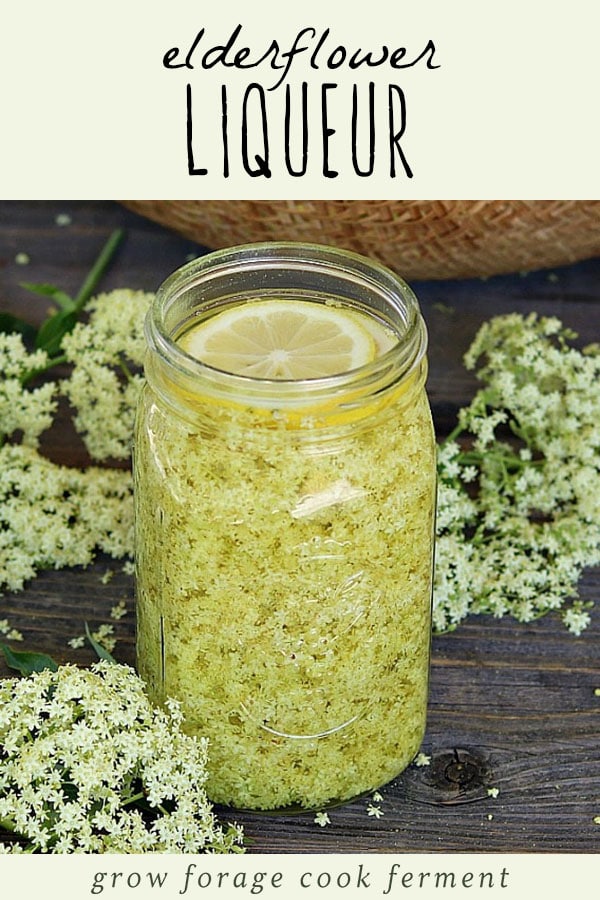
[393, 876]
[381, 100]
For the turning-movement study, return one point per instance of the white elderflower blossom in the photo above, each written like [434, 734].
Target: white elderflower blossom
[422, 759]
[374, 811]
[322, 819]
[77, 642]
[576, 619]
[515, 534]
[52, 516]
[87, 765]
[30, 411]
[107, 355]
[105, 636]
[12, 634]
[118, 610]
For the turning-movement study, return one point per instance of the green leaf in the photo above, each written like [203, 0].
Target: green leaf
[49, 290]
[101, 651]
[10, 324]
[25, 662]
[52, 331]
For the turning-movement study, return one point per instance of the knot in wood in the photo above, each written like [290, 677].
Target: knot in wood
[459, 772]
[454, 776]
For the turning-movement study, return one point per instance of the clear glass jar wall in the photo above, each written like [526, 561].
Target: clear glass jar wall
[284, 538]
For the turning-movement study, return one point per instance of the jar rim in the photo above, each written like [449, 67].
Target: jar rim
[392, 366]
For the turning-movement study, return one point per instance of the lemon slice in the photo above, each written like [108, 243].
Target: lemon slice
[283, 339]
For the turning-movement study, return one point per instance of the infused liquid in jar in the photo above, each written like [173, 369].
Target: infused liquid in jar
[284, 525]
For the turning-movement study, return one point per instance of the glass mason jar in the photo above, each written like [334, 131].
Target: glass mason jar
[284, 537]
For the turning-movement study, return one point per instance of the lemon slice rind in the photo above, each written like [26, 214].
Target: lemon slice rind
[282, 340]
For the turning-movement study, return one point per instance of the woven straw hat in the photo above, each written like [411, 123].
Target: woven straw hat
[417, 238]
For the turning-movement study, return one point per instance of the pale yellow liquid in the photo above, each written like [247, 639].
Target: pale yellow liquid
[284, 592]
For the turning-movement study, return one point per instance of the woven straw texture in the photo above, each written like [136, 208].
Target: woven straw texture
[419, 239]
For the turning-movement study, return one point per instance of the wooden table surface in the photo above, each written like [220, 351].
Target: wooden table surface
[512, 706]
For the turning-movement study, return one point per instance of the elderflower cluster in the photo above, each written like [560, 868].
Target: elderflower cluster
[21, 409]
[519, 489]
[53, 516]
[87, 765]
[107, 355]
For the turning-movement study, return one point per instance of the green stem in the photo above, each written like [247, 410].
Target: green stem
[458, 429]
[54, 361]
[125, 370]
[509, 463]
[86, 291]
[99, 268]
[133, 799]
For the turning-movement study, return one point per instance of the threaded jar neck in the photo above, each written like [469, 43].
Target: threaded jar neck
[282, 270]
